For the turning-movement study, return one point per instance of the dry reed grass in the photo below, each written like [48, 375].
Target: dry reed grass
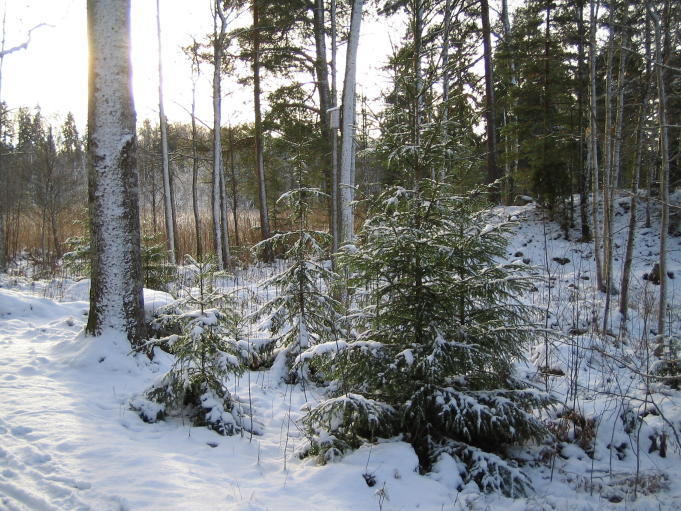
[28, 234]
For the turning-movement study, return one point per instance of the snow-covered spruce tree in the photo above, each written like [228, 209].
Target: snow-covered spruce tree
[303, 312]
[439, 328]
[209, 348]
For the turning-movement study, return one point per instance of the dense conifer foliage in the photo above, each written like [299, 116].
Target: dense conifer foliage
[208, 348]
[438, 328]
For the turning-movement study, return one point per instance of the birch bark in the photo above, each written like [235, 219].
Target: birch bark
[347, 184]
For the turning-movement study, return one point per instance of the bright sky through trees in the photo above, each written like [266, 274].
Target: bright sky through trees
[52, 71]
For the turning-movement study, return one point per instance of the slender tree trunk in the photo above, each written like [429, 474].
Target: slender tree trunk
[490, 107]
[616, 172]
[232, 168]
[325, 103]
[322, 77]
[154, 209]
[582, 178]
[259, 149]
[546, 100]
[3, 243]
[335, 213]
[593, 143]
[3, 231]
[224, 216]
[195, 158]
[221, 240]
[116, 300]
[168, 197]
[631, 234]
[445, 88]
[664, 172]
[347, 190]
[418, 99]
[608, 167]
[511, 166]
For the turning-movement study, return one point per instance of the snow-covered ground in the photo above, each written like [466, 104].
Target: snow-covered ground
[68, 439]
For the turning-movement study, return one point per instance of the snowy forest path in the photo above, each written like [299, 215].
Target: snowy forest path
[37, 421]
[69, 441]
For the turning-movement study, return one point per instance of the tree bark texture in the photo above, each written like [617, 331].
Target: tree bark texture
[220, 232]
[116, 300]
[259, 148]
[163, 123]
[490, 107]
[347, 186]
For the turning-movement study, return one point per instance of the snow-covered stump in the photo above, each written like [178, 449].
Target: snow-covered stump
[116, 300]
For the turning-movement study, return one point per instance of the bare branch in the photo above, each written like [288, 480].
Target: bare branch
[25, 44]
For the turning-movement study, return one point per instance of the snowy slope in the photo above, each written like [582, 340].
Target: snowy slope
[68, 439]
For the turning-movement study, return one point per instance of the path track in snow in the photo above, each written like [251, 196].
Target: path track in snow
[68, 440]
[37, 419]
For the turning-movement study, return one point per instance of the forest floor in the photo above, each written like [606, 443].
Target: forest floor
[69, 440]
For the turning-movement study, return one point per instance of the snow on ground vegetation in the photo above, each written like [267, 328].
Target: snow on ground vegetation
[69, 440]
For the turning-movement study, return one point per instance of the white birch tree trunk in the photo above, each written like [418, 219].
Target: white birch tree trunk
[347, 184]
[219, 231]
[195, 156]
[167, 194]
[335, 229]
[116, 300]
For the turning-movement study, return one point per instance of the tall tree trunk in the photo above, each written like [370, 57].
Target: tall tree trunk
[582, 177]
[220, 238]
[445, 88]
[490, 107]
[511, 167]
[593, 143]
[616, 172]
[224, 217]
[195, 156]
[259, 149]
[418, 99]
[3, 243]
[335, 212]
[325, 103]
[3, 231]
[664, 171]
[347, 190]
[232, 168]
[116, 300]
[636, 178]
[163, 122]
[607, 165]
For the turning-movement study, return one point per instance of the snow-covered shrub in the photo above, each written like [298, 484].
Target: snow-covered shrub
[303, 312]
[208, 349]
[667, 363]
[439, 329]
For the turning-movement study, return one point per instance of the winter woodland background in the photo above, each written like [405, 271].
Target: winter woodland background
[454, 286]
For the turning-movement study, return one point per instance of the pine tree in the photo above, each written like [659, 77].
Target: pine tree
[439, 327]
[303, 313]
[208, 349]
